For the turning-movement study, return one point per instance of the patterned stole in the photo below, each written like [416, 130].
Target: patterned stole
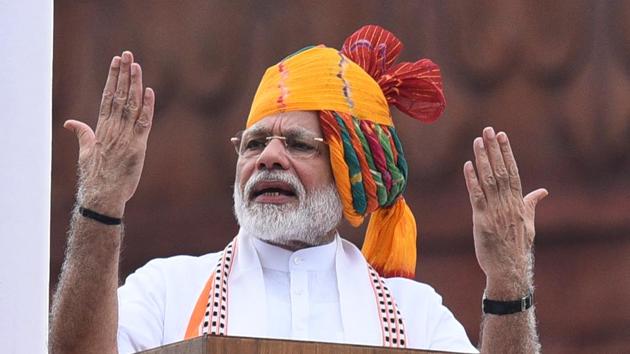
[210, 315]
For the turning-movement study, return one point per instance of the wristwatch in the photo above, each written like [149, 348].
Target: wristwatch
[495, 307]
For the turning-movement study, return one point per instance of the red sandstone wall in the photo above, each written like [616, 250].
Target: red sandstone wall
[555, 76]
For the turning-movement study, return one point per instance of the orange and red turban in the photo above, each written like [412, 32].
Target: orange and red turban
[353, 89]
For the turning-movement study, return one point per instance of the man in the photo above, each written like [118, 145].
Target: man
[319, 143]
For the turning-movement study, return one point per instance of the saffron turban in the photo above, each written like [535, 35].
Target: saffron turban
[352, 89]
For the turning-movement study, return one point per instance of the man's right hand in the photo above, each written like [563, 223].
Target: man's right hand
[111, 159]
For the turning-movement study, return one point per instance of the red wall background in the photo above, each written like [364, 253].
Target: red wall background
[554, 75]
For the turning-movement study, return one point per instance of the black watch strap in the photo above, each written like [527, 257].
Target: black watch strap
[495, 307]
[103, 219]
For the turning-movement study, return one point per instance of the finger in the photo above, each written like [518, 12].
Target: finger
[536, 196]
[110, 88]
[484, 171]
[477, 197]
[144, 122]
[122, 86]
[496, 161]
[83, 132]
[510, 165]
[131, 109]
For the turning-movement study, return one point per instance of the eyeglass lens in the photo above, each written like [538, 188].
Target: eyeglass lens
[297, 145]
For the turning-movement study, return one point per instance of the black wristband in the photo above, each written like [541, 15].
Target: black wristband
[104, 219]
[494, 307]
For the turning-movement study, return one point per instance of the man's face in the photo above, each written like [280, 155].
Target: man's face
[286, 194]
[313, 172]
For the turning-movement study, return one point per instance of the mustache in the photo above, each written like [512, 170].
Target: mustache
[274, 176]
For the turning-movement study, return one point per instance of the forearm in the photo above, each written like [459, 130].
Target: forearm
[512, 333]
[515, 333]
[84, 316]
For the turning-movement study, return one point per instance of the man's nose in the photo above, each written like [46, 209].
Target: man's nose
[274, 156]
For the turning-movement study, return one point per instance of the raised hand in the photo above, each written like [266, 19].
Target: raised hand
[111, 159]
[503, 220]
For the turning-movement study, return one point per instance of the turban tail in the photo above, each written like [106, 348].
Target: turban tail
[352, 89]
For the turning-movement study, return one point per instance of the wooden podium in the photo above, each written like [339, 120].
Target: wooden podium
[241, 345]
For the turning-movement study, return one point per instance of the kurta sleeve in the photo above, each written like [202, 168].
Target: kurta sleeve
[429, 324]
[141, 304]
[447, 333]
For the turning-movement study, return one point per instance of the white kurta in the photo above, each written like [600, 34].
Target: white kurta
[301, 286]
[320, 294]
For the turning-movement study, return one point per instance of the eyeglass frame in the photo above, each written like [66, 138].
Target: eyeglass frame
[237, 141]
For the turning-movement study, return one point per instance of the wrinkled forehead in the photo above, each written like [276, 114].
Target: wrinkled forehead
[297, 122]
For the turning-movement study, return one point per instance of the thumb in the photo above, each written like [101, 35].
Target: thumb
[536, 196]
[84, 133]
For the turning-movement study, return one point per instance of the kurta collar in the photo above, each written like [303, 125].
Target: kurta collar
[317, 258]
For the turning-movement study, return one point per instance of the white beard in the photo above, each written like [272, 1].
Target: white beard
[317, 213]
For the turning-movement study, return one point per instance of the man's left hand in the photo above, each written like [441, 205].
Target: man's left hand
[503, 220]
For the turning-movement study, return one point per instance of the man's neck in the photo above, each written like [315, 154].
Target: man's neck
[295, 245]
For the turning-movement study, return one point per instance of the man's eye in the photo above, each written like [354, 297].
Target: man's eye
[300, 145]
[255, 144]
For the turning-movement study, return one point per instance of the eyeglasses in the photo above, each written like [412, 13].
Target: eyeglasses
[297, 145]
